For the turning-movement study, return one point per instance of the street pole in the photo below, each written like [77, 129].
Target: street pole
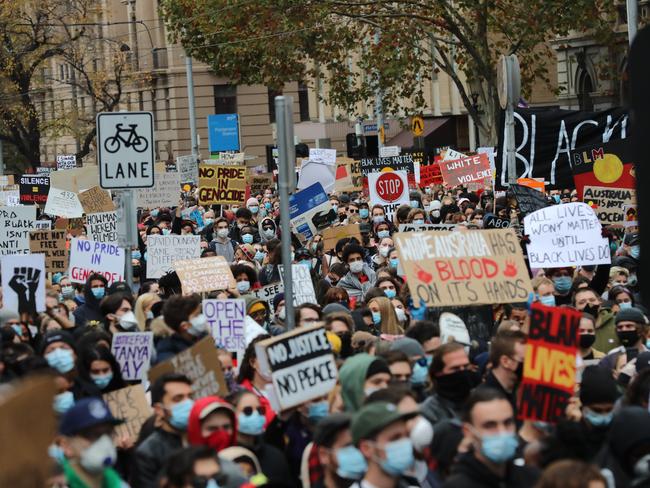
[632, 19]
[379, 107]
[513, 81]
[286, 183]
[190, 101]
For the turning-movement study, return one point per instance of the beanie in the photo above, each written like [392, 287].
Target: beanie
[408, 346]
[631, 314]
[597, 386]
[379, 365]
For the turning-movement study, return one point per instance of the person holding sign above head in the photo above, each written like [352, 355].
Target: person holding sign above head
[184, 315]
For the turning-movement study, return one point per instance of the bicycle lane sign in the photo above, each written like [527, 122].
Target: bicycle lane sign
[125, 150]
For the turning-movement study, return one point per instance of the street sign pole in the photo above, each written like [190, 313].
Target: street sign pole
[286, 184]
[127, 232]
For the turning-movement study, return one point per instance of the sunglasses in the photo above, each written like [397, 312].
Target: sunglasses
[353, 210]
[248, 411]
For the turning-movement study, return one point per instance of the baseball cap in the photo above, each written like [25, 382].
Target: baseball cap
[84, 414]
[374, 417]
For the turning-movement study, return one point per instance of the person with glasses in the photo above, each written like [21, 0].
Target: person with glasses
[201, 467]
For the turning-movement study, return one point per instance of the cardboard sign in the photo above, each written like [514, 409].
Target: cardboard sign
[15, 224]
[491, 221]
[200, 363]
[96, 200]
[226, 322]
[609, 203]
[425, 227]
[102, 227]
[23, 283]
[430, 175]
[165, 193]
[259, 183]
[268, 292]
[303, 287]
[6, 180]
[133, 351]
[88, 257]
[50, 243]
[301, 365]
[471, 169]
[565, 235]
[163, 251]
[389, 151]
[75, 180]
[129, 404]
[310, 210]
[63, 203]
[528, 199]
[27, 427]
[204, 274]
[550, 365]
[390, 189]
[332, 235]
[464, 268]
[221, 184]
[34, 188]
[188, 169]
[66, 161]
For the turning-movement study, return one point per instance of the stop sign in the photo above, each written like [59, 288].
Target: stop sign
[389, 187]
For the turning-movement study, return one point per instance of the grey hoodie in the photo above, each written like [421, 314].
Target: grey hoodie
[260, 226]
[225, 249]
[350, 282]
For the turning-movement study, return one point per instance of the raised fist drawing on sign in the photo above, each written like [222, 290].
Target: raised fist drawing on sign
[25, 283]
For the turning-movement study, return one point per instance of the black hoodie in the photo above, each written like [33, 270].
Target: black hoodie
[89, 311]
[469, 472]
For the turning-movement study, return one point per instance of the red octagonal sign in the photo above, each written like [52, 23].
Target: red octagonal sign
[389, 187]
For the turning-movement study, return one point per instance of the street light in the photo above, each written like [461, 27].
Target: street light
[475, 107]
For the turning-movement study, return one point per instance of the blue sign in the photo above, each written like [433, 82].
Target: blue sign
[223, 132]
[310, 210]
[373, 127]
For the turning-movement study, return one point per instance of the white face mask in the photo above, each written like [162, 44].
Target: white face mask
[383, 251]
[282, 313]
[100, 455]
[199, 325]
[222, 233]
[401, 314]
[128, 321]
[356, 266]
[421, 434]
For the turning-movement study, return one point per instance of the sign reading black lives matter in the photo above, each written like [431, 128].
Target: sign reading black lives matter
[301, 365]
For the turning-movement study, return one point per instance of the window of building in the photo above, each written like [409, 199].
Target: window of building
[585, 88]
[225, 99]
[272, 94]
[303, 102]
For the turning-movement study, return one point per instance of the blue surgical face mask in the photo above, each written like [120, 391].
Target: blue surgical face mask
[598, 419]
[259, 256]
[166, 232]
[382, 234]
[351, 463]
[415, 203]
[548, 300]
[243, 286]
[625, 305]
[562, 283]
[363, 213]
[335, 208]
[419, 374]
[268, 206]
[18, 329]
[418, 221]
[136, 254]
[499, 448]
[60, 359]
[378, 219]
[556, 198]
[247, 238]
[98, 293]
[394, 262]
[63, 402]
[635, 252]
[390, 293]
[376, 318]
[252, 424]
[399, 457]
[318, 411]
[154, 213]
[102, 380]
[207, 221]
[67, 291]
[254, 209]
[306, 262]
[180, 414]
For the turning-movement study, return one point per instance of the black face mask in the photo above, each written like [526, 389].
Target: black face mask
[519, 372]
[592, 310]
[587, 340]
[346, 344]
[456, 386]
[628, 337]
[137, 270]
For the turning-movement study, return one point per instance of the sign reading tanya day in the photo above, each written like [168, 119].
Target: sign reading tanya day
[163, 251]
[50, 243]
[389, 189]
[464, 268]
[463, 171]
[15, 224]
[550, 364]
[23, 283]
[609, 203]
[220, 184]
[88, 257]
[226, 322]
[204, 274]
[301, 365]
[133, 351]
[565, 235]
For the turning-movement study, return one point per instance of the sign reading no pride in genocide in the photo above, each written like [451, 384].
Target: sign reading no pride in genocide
[88, 257]
[221, 184]
[226, 322]
[464, 268]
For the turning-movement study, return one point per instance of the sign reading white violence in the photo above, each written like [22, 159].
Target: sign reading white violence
[132, 350]
[15, 224]
[301, 365]
[565, 235]
[88, 257]
[102, 226]
[163, 251]
[226, 322]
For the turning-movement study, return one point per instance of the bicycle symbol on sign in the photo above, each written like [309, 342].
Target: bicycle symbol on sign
[114, 143]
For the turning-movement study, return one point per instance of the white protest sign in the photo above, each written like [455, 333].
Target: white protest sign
[63, 203]
[303, 287]
[188, 169]
[301, 365]
[102, 226]
[226, 322]
[10, 198]
[312, 172]
[390, 189]
[15, 224]
[88, 257]
[66, 161]
[163, 251]
[133, 350]
[565, 235]
[165, 192]
[324, 156]
[453, 329]
[450, 155]
[268, 292]
[389, 151]
[23, 283]
[43, 225]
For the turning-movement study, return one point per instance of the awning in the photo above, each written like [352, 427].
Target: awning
[405, 138]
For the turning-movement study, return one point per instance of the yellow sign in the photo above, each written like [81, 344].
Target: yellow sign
[417, 125]
[382, 134]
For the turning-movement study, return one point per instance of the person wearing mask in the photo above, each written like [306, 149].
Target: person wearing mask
[143, 309]
[183, 315]
[360, 376]
[212, 423]
[340, 461]
[252, 379]
[417, 361]
[361, 277]
[562, 281]
[245, 278]
[98, 365]
[622, 296]
[200, 466]
[118, 312]
[379, 430]
[257, 309]
[631, 330]
[222, 244]
[380, 258]
[489, 426]
[253, 205]
[86, 440]
[171, 398]
[364, 212]
[384, 318]
[544, 291]
[89, 314]
[267, 229]
[587, 300]
[452, 381]
[587, 331]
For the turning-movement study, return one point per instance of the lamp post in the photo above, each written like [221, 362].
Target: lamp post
[476, 129]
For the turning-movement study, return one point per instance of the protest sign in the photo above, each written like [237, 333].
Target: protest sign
[63, 203]
[451, 155]
[631, 213]
[200, 363]
[467, 170]
[34, 188]
[609, 165]
[550, 363]
[609, 203]
[102, 227]
[491, 221]
[133, 351]
[15, 224]
[403, 162]
[129, 404]
[163, 251]
[6, 180]
[464, 268]
[226, 322]
[430, 175]
[389, 189]
[303, 287]
[332, 235]
[165, 192]
[76, 179]
[23, 283]
[353, 170]
[343, 180]
[300, 363]
[310, 211]
[74, 227]
[27, 432]
[268, 292]
[96, 200]
[51, 243]
[389, 151]
[204, 274]
[312, 172]
[88, 257]
[565, 235]
[66, 161]
[453, 329]
[423, 227]
[221, 184]
[43, 225]
[528, 199]
[188, 169]
[324, 156]
[9, 198]
[259, 183]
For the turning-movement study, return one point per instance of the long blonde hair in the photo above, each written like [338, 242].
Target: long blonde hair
[144, 301]
[389, 322]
